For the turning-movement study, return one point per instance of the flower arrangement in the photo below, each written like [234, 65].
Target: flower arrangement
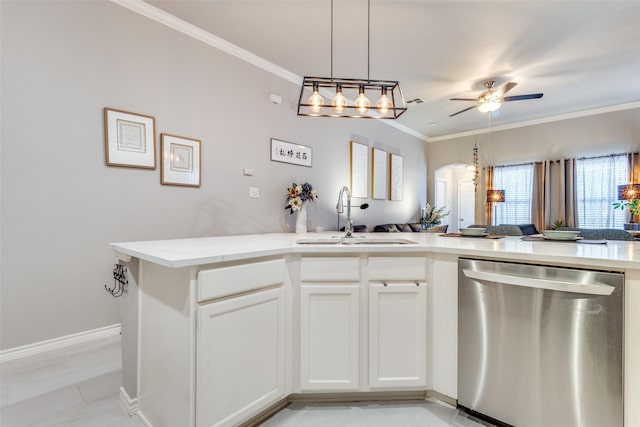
[298, 195]
[432, 216]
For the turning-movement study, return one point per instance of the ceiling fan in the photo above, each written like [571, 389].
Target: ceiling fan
[492, 99]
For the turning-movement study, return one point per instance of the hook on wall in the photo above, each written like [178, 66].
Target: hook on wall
[119, 280]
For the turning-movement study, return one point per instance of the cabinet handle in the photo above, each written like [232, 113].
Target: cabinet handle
[384, 283]
[417, 284]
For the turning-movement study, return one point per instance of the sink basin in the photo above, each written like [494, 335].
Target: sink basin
[360, 240]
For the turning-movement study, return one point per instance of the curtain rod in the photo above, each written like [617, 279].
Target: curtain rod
[558, 161]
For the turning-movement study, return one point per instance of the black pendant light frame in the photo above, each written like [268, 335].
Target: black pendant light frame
[351, 88]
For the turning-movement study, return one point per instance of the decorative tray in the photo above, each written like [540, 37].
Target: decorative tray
[486, 236]
[576, 240]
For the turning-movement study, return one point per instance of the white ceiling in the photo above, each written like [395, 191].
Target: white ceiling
[582, 55]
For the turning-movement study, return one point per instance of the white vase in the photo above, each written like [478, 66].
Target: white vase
[301, 220]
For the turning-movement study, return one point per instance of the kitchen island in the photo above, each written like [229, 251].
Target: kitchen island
[228, 328]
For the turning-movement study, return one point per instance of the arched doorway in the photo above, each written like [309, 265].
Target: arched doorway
[454, 188]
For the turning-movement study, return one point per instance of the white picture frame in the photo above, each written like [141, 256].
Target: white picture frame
[181, 161]
[395, 172]
[130, 139]
[288, 152]
[359, 170]
[379, 174]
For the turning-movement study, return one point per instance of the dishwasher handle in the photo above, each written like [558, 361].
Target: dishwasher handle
[531, 282]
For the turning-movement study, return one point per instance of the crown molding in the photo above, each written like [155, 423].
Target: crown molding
[578, 114]
[145, 9]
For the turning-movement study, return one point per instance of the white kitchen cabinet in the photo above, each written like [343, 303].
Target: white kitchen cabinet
[240, 357]
[397, 335]
[329, 337]
[330, 324]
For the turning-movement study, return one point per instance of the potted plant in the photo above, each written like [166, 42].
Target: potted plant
[432, 216]
[634, 209]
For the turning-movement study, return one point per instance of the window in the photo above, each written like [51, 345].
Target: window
[597, 181]
[517, 183]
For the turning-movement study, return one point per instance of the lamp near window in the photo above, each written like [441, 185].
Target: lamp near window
[493, 197]
[628, 191]
[630, 196]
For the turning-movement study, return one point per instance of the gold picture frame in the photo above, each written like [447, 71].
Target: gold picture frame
[181, 161]
[130, 139]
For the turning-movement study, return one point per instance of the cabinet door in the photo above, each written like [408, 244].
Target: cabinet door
[240, 357]
[397, 335]
[329, 337]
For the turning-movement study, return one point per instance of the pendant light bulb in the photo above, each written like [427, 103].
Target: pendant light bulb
[315, 100]
[339, 102]
[384, 103]
[362, 103]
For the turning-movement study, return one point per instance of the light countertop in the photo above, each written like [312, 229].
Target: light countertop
[208, 250]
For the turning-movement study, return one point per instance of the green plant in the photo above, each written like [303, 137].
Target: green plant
[433, 216]
[632, 204]
[558, 223]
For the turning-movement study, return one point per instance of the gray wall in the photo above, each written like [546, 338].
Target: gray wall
[62, 63]
[615, 132]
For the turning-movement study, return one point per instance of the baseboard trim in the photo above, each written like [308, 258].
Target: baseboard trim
[58, 343]
[143, 419]
[129, 405]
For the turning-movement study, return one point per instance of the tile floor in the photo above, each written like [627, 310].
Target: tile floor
[76, 386]
[370, 414]
[79, 386]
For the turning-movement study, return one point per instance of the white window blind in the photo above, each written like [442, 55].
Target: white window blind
[597, 181]
[517, 183]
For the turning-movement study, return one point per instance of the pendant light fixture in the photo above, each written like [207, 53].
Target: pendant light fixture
[390, 102]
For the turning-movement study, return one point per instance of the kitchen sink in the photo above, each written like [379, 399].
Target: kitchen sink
[358, 240]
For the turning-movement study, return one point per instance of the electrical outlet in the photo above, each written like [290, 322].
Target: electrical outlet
[254, 192]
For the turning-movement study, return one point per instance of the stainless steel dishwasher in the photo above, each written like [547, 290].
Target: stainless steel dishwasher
[540, 346]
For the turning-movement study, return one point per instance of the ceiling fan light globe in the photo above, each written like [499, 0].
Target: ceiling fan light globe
[489, 106]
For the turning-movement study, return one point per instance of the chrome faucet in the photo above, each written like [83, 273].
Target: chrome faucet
[348, 228]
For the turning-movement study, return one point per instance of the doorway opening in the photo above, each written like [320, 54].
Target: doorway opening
[454, 189]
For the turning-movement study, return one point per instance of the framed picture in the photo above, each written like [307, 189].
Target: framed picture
[287, 152]
[379, 173]
[395, 187]
[129, 139]
[359, 170]
[180, 161]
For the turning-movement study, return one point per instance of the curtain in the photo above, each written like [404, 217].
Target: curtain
[570, 197]
[517, 183]
[634, 175]
[541, 198]
[488, 185]
[597, 179]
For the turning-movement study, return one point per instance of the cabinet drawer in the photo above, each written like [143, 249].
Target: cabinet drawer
[397, 268]
[224, 281]
[323, 269]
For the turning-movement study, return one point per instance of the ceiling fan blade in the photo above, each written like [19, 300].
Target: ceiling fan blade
[521, 97]
[504, 89]
[462, 111]
[463, 99]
